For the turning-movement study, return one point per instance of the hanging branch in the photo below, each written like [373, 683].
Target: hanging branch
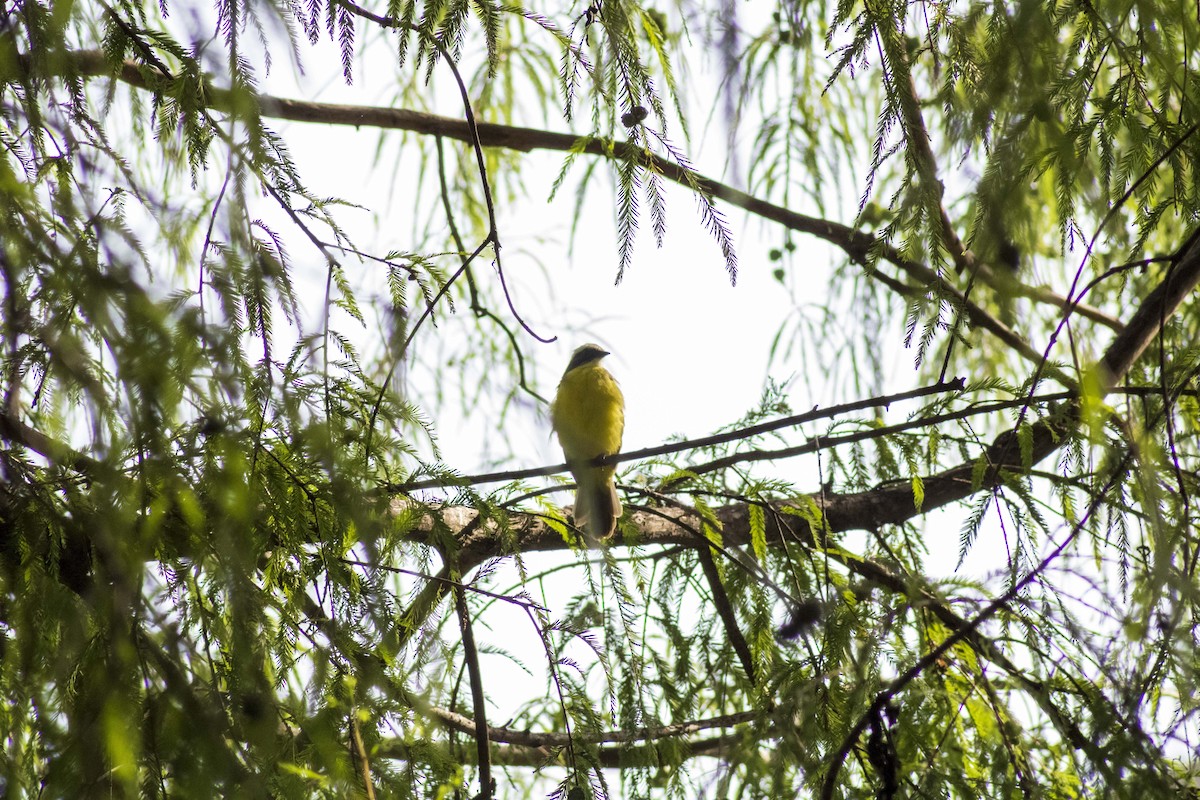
[856, 244]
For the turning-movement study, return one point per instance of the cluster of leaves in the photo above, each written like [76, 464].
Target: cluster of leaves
[177, 433]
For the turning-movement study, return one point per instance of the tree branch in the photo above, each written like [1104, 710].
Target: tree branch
[621, 756]
[12, 429]
[738, 434]
[478, 699]
[857, 245]
[546, 739]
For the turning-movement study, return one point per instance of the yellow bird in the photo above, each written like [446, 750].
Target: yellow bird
[588, 414]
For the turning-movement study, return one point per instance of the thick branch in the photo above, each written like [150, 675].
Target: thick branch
[14, 430]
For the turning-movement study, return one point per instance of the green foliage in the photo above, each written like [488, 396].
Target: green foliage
[218, 578]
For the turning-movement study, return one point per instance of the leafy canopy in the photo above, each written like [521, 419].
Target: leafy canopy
[221, 569]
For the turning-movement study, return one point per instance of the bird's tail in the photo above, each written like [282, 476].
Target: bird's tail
[597, 506]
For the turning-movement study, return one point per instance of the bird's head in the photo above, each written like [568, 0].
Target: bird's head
[586, 354]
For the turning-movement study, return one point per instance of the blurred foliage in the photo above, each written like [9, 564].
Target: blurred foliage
[207, 587]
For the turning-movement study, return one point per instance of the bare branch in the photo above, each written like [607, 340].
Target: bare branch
[478, 699]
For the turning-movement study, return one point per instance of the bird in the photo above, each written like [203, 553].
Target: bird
[588, 415]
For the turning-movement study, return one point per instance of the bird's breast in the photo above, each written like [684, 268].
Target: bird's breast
[589, 413]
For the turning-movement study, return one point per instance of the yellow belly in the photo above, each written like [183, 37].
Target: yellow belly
[588, 414]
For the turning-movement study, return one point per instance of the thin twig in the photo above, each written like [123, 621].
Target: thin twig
[360, 755]
[479, 700]
[476, 305]
[794, 420]
[819, 442]
[529, 738]
[473, 138]
[517, 601]
[811, 446]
